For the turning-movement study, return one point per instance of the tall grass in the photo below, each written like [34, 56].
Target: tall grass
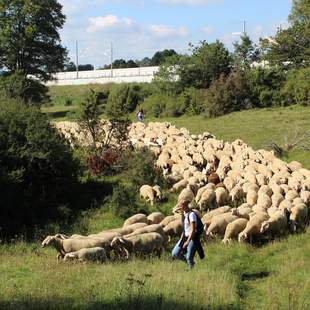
[274, 276]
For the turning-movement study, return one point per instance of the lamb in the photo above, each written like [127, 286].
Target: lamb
[96, 254]
[234, 228]
[219, 223]
[253, 226]
[147, 193]
[140, 244]
[155, 218]
[137, 218]
[276, 224]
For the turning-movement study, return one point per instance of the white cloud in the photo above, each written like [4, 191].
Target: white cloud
[161, 30]
[208, 30]
[108, 21]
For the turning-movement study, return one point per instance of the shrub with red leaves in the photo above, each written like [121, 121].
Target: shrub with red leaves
[100, 163]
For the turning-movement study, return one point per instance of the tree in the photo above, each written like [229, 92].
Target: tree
[87, 67]
[290, 48]
[207, 63]
[160, 57]
[29, 37]
[245, 52]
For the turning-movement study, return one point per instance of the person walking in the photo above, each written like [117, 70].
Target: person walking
[140, 115]
[189, 244]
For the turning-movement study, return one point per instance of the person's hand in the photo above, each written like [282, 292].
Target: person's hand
[185, 245]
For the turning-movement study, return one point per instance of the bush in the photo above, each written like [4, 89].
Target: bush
[228, 94]
[296, 89]
[38, 170]
[138, 168]
[264, 86]
[123, 99]
[18, 86]
[193, 101]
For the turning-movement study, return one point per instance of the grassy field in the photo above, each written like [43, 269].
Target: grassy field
[240, 276]
[275, 276]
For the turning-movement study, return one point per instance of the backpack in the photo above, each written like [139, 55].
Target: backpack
[199, 228]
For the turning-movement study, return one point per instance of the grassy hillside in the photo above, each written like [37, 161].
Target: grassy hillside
[239, 276]
[258, 128]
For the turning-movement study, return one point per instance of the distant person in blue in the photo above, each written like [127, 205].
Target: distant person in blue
[140, 115]
[189, 243]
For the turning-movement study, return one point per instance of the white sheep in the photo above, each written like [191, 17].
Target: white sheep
[265, 189]
[253, 226]
[147, 193]
[179, 186]
[251, 197]
[276, 224]
[298, 217]
[174, 229]
[264, 200]
[219, 223]
[158, 191]
[208, 200]
[234, 228]
[276, 199]
[236, 194]
[186, 194]
[144, 244]
[96, 254]
[206, 219]
[222, 196]
[305, 196]
[155, 218]
[137, 218]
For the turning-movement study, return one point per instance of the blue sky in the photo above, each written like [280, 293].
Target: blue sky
[139, 28]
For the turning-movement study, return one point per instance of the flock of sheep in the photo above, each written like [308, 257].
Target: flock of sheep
[248, 194]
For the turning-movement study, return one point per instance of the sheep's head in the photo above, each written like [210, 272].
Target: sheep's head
[264, 227]
[242, 237]
[46, 241]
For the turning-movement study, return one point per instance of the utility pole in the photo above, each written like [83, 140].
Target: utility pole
[244, 27]
[111, 59]
[77, 59]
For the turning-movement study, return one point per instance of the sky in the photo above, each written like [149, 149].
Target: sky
[139, 28]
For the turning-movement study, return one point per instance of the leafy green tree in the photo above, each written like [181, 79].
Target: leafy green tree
[290, 48]
[245, 52]
[29, 37]
[161, 56]
[38, 171]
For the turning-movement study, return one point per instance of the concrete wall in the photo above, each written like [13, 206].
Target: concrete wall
[138, 75]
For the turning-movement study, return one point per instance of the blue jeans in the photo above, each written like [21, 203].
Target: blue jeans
[186, 255]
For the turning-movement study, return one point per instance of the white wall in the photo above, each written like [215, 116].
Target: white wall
[138, 75]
